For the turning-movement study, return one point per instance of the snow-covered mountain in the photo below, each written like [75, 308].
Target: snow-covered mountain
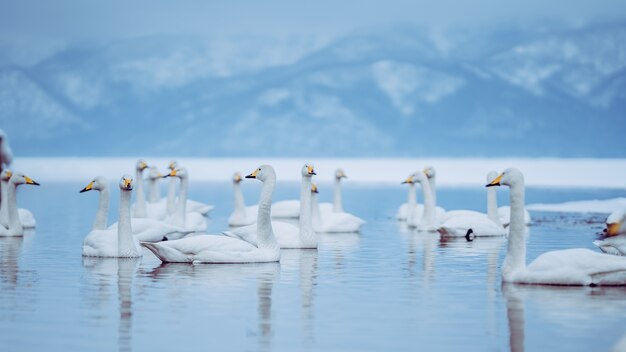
[400, 92]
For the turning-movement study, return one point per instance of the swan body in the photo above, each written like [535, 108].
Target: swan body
[329, 222]
[242, 215]
[459, 222]
[431, 174]
[615, 245]
[427, 221]
[572, 267]
[288, 235]
[25, 216]
[504, 213]
[222, 249]
[116, 242]
[14, 227]
[188, 220]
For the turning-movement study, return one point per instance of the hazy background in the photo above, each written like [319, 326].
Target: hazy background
[323, 79]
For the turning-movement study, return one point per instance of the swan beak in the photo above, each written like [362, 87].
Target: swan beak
[128, 183]
[314, 188]
[408, 180]
[89, 187]
[143, 166]
[311, 171]
[495, 182]
[426, 171]
[253, 175]
[612, 229]
[30, 181]
[171, 174]
[342, 175]
[171, 166]
[159, 175]
[237, 178]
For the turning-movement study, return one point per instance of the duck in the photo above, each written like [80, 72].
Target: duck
[428, 219]
[288, 235]
[242, 215]
[329, 222]
[27, 219]
[215, 249]
[116, 242]
[145, 229]
[456, 223]
[192, 221]
[569, 267]
[14, 227]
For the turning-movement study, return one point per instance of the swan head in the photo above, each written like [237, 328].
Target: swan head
[237, 177]
[314, 188]
[419, 177]
[6, 175]
[614, 222]
[21, 179]
[97, 184]
[510, 177]
[408, 180]
[154, 174]
[126, 183]
[262, 173]
[430, 172]
[308, 170]
[141, 165]
[180, 173]
[339, 174]
[173, 165]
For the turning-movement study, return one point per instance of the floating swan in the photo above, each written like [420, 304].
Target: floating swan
[14, 228]
[188, 220]
[337, 205]
[154, 193]
[573, 267]
[222, 249]
[25, 216]
[242, 215]
[145, 229]
[403, 211]
[139, 209]
[428, 219]
[332, 222]
[171, 189]
[459, 222]
[615, 245]
[288, 235]
[117, 242]
[430, 172]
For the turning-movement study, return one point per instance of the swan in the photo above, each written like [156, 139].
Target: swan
[14, 228]
[572, 267]
[616, 223]
[192, 205]
[405, 209]
[223, 249]
[288, 235]
[336, 206]
[459, 222]
[145, 229]
[117, 242]
[139, 209]
[6, 155]
[428, 219]
[25, 216]
[615, 245]
[188, 220]
[504, 213]
[154, 193]
[430, 172]
[242, 215]
[329, 222]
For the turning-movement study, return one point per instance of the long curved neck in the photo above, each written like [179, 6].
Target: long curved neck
[4, 209]
[240, 204]
[307, 235]
[181, 206]
[100, 223]
[492, 205]
[140, 200]
[433, 188]
[15, 225]
[171, 195]
[153, 190]
[428, 217]
[337, 205]
[265, 233]
[315, 209]
[411, 204]
[516, 251]
[125, 244]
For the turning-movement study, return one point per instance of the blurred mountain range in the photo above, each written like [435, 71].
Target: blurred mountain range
[542, 91]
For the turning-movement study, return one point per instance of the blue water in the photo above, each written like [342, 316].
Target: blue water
[385, 289]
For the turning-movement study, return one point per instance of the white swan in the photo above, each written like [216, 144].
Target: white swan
[139, 209]
[615, 245]
[288, 235]
[411, 206]
[330, 222]
[430, 172]
[573, 267]
[337, 205]
[145, 229]
[616, 223]
[192, 205]
[25, 216]
[242, 215]
[222, 249]
[14, 228]
[428, 219]
[504, 213]
[118, 242]
[459, 222]
[154, 193]
[188, 220]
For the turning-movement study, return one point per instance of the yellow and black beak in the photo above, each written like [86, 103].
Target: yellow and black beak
[171, 166]
[253, 175]
[495, 182]
[160, 175]
[143, 166]
[613, 229]
[342, 175]
[30, 181]
[128, 183]
[310, 170]
[314, 188]
[408, 180]
[237, 178]
[89, 187]
[171, 174]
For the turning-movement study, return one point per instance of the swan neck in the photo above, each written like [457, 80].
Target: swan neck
[433, 189]
[240, 204]
[100, 223]
[125, 244]
[411, 204]
[153, 191]
[171, 195]
[307, 235]
[315, 210]
[4, 209]
[265, 233]
[181, 207]
[492, 205]
[337, 204]
[428, 217]
[15, 225]
[140, 199]
[516, 250]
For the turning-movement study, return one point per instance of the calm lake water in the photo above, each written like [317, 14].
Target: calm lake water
[385, 289]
